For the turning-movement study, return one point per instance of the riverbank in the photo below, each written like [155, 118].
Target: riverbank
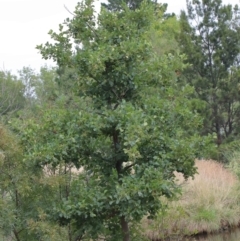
[208, 204]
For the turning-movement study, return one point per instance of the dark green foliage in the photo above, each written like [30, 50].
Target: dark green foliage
[128, 131]
[210, 39]
[116, 5]
[26, 193]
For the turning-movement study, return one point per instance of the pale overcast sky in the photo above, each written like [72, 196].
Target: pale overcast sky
[25, 24]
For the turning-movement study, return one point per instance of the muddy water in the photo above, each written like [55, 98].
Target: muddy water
[226, 236]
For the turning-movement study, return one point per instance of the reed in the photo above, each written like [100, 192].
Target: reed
[208, 203]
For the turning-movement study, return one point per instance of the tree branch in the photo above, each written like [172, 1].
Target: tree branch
[127, 167]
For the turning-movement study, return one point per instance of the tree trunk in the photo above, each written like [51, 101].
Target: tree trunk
[218, 131]
[125, 229]
[216, 122]
[16, 235]
[124, 223]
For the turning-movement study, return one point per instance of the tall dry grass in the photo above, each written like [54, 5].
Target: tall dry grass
[208, 203]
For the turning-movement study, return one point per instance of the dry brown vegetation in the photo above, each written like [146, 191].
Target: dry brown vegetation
[208, 203]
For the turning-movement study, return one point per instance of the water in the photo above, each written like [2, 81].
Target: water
[225, 236]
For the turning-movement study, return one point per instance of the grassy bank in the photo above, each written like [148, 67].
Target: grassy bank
[208, 203]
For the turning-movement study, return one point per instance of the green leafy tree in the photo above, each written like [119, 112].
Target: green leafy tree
[164, 39]
[39, 88]
[131, 129]
[11, 94]
[210, 39]
[26, 192]
[46, 88]
[9, 153]
[29, 77]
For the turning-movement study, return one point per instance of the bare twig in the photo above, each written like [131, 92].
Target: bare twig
[68, 10]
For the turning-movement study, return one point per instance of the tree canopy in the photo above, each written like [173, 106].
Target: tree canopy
[11, 94]
[116, 5]
[130, 130]
[210, 39]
